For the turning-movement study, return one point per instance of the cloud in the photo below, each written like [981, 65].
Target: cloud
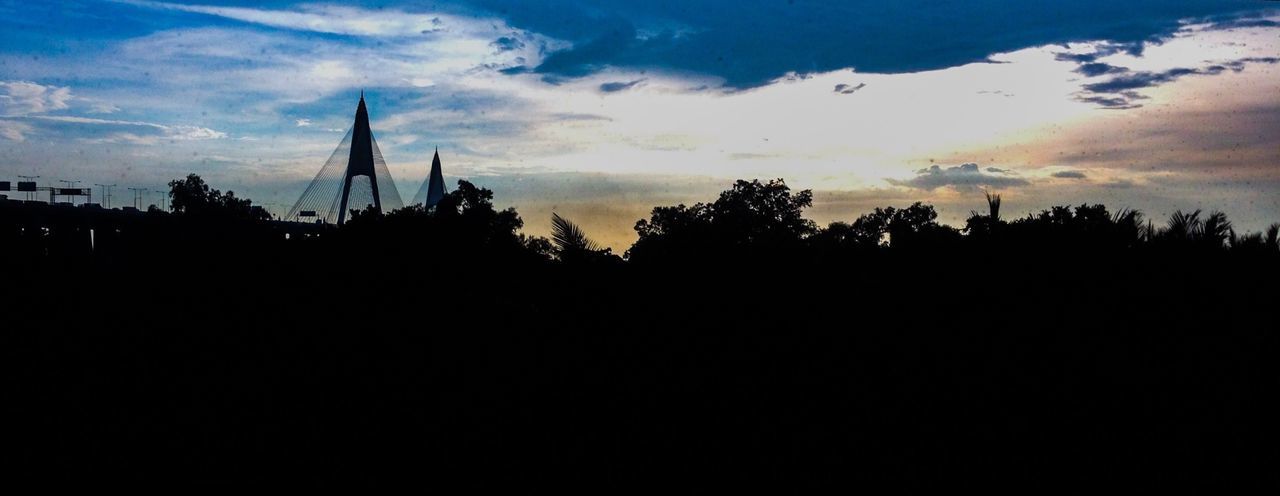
[1094, 69]
[962, 176]
[1140, 80]
[1120, 92]
[1068, 175]
[302, 122]
[750, 43]
[14, 131]
[1243, 22]
[192, 133]
[332, 19]
[19, 98]
[591, 55]
[845, 89]
[103, 108]
[151, 133]
[619, 86]
[507, 43]
[1106, 48]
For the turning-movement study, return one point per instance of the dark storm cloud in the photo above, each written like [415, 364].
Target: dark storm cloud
[960, 176]
[1110, 102]
[1245, 23]
[1238, 65]
[1120, 92]
[845, 89]
[1144, 79]
[1255, 20]
[750, 42]
[507, 43]
[1093, 69]
[619, 86]
[1102, 50]
[1068, 175]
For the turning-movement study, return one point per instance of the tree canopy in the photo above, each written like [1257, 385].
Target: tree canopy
[751, 218]
[192, 196]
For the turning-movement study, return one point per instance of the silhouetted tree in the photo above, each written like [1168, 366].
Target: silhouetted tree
[1067, 229]
[889, 227]
[983, 227]
[750, 219]
[464, 223]
[1189, 231]
[192, 196]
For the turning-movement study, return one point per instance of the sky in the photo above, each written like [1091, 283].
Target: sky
[601, 110]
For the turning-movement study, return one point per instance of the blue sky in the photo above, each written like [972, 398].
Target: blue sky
[601, 110]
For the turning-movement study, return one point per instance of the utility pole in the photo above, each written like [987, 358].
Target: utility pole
[106, 192]
[30, 194]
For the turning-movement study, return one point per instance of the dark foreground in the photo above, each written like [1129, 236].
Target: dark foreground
[912, 371]
[738, 345]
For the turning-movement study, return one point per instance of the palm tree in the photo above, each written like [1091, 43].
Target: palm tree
[1247, 241]
[1216, 230]
[1182, 226]
[570, 240]
[1213, 231]
[1258, 242]
[993, 205]
[1128, 226]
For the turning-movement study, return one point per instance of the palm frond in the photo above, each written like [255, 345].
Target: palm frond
[1183, 226]
[1129, 224]
[568, 237]
[993, 205]
[1216, 229]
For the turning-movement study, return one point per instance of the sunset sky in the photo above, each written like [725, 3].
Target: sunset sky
[600, 110]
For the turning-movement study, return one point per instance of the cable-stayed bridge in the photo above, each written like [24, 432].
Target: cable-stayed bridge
[356, 177]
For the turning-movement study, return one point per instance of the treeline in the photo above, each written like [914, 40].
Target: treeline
[753, 220]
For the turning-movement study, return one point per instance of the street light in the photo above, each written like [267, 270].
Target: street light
[137, 197]
[106, 192]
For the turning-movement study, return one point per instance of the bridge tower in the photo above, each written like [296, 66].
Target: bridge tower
[354, 178]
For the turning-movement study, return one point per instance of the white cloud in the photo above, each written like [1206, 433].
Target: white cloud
[19, 98]
[337, 19]
[162, 131]
[298, 69]
[192, 133]
[302, 122]
[103, 108]
[331, 19]
[90, 120]
[14, 131]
